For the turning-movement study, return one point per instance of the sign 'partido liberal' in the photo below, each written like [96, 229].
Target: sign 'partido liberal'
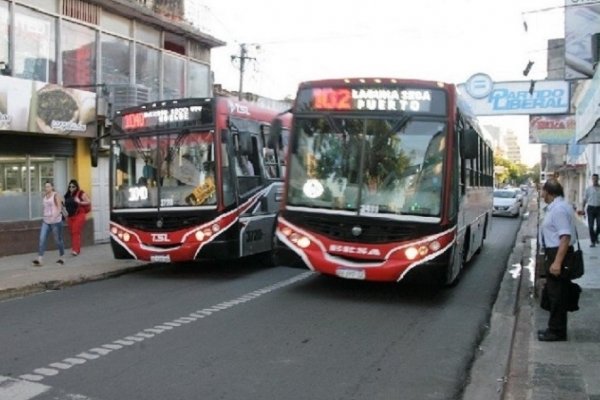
[486, 97]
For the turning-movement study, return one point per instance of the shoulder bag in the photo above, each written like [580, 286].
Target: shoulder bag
[573, 263]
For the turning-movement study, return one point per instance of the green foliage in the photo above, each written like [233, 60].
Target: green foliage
[515, 173]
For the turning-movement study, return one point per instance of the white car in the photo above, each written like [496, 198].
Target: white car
[506, 202]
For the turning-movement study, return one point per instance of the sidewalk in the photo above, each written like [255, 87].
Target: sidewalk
[559, 370]
[512, 364]
[18, 277]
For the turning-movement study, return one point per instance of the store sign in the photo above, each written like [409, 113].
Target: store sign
[551, 129]
[588, 112]
[32, 106]
[486, 97]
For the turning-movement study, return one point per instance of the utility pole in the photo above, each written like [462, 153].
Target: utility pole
[242, 57]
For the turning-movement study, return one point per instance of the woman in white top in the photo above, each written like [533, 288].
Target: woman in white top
[52, 221]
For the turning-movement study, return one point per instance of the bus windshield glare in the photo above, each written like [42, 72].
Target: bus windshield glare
[164, 171]
[368, 165]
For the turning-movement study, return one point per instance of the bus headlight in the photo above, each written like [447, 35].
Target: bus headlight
[303, 242]
[199, 236]
[126, 237]
[435, 245]
[411, 253]
[286, 231]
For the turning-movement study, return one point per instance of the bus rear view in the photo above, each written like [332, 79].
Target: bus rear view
[379, 172]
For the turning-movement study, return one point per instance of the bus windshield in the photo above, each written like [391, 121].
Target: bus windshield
[175, 170]
[368, 165]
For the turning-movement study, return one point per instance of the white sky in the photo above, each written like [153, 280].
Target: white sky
[447, 40]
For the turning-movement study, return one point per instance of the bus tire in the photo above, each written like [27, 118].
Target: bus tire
[458, 257]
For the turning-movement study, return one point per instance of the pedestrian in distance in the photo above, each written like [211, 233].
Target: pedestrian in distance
[52, 221]
[591, 206]
[557, 233]
[78, 204]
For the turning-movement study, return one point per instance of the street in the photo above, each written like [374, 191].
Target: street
[247, 332]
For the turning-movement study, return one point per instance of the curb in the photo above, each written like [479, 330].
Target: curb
[57, 284]
[489, 372]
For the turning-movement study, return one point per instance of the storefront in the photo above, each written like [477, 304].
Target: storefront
[45, 130]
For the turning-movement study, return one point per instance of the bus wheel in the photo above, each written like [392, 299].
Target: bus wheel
[454, 270]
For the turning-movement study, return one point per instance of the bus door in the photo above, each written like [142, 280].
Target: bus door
[256, 218]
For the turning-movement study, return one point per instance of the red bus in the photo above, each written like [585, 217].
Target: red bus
[192, 179]
[387, 179]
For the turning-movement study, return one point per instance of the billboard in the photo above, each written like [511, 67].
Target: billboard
[32, 106]
[551, 129]
[486, 97]
[582, 20]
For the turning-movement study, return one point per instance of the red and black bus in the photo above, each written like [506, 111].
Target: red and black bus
[192, 179]
[387, 179]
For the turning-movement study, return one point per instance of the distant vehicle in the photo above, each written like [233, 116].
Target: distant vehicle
[506, 202]
[387, 179]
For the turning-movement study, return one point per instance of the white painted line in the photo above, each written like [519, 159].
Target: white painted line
[14, 389]
[61, 365]
[46, 371]
[148, 333]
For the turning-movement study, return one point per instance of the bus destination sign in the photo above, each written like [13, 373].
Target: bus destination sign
[172, 117]
[415, 100]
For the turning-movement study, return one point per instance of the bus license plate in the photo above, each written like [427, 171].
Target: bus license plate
[350, 273]
[160, 258]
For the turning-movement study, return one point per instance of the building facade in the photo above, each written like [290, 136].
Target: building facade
[61, 63]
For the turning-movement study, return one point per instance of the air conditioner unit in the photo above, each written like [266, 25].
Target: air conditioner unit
[124, 96]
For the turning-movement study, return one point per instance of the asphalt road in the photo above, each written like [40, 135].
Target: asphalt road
[241, 331]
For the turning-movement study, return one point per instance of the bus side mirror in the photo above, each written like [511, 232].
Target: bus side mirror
[469, 144]
[94, 149]
[275, 134]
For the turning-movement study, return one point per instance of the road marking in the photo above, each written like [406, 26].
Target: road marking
[14, 389]
[95, 353]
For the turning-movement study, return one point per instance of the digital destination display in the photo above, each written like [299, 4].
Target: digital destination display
[166, 117]
[392, 99]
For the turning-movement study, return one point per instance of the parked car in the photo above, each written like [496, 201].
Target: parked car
[507, 202]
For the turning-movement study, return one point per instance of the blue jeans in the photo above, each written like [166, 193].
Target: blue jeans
[57, 230]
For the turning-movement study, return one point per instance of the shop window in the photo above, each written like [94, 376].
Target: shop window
[116, 23]
[147, 70]
[173, 77]
[78, 54]
[174, 43]
[115, 60]
[35, 37]
[45, 5]
[147, 34]
[21, 185]
[198, 80]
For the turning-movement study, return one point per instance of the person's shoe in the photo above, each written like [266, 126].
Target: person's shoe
[60, 261]
[74, 253]
[36, 263]
[547, 336]
[593, 244]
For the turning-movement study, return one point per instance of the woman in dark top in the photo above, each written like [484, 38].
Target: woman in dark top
[78, 205]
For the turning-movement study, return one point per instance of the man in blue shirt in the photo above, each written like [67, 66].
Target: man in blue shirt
[556, 233]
